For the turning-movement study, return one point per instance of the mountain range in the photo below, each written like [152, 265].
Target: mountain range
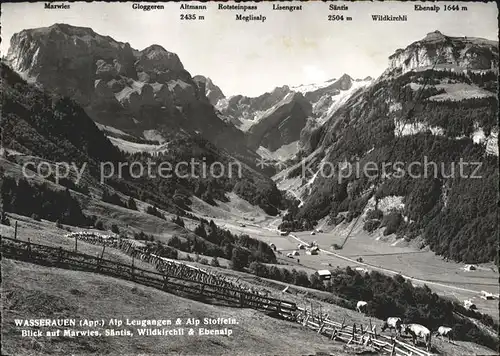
[144, 93]
[436, 101]
[437, 98]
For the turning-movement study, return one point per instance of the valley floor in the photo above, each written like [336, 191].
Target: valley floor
[383, 254]
[31, 291]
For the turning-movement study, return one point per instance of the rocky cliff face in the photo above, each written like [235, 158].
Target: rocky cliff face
[119, 86]
[212, 91]
[444, 51]
[447, 114]
[282, 123]
[277, 118]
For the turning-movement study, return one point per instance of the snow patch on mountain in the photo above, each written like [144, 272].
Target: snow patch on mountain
[283, 153]
[338, 100]
[312, 87]
[112, 129]
[133, 147]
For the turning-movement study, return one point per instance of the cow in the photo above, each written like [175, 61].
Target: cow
[444, 331]
[418, 331]
[393, 323]
[361, 305]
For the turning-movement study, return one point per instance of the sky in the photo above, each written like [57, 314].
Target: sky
[250, 58]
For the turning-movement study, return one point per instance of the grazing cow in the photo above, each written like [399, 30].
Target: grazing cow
[361, 305]
[418, 331]
[393, 323]
[444, 331]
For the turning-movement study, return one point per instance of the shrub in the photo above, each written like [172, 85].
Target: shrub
[200, 231]
[374, 214]
[177, 220]
[99, 225]
[392, 222]
[336, 247]
[371, 225]
[131, 204]
[151, 210]
[215, 262]
[239, 259]
[4, 220]
[115, 229]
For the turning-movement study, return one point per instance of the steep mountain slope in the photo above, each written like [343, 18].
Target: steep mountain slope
[435, 103]
[49, 126]
[45, 127]
[118, 86]
[212, 91]
[276, 119]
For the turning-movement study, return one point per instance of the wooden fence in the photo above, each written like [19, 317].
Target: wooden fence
[358, 334]
[61, 258]
[167, 266]
[175, 280]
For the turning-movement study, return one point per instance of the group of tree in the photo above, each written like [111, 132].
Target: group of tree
[213, 241]
[389, 296]
[112, 198]
[39, 200]
[453, 208]
[151, 210]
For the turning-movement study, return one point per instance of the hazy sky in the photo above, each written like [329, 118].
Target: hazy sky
[251, 58]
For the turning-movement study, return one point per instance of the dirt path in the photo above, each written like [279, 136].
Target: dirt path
[386, 270]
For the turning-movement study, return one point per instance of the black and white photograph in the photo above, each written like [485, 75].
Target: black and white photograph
[222, 178]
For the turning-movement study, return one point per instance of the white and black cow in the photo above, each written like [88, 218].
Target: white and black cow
[418, 331]
[445, 331]
[393, 323]
[361, 306]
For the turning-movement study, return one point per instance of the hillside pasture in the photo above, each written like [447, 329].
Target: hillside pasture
[31, 291]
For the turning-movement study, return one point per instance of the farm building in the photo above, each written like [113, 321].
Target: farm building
[469, 268]
[312, 252]
[295, 253]
[487, 296]
[324, 274]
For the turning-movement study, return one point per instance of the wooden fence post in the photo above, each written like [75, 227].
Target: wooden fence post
[29, 248]
[320, 329]
[393, 351]
[102, 253]
[132, 268]
[15, 230]
[334, 333]
[306, 319]
[76, 243]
